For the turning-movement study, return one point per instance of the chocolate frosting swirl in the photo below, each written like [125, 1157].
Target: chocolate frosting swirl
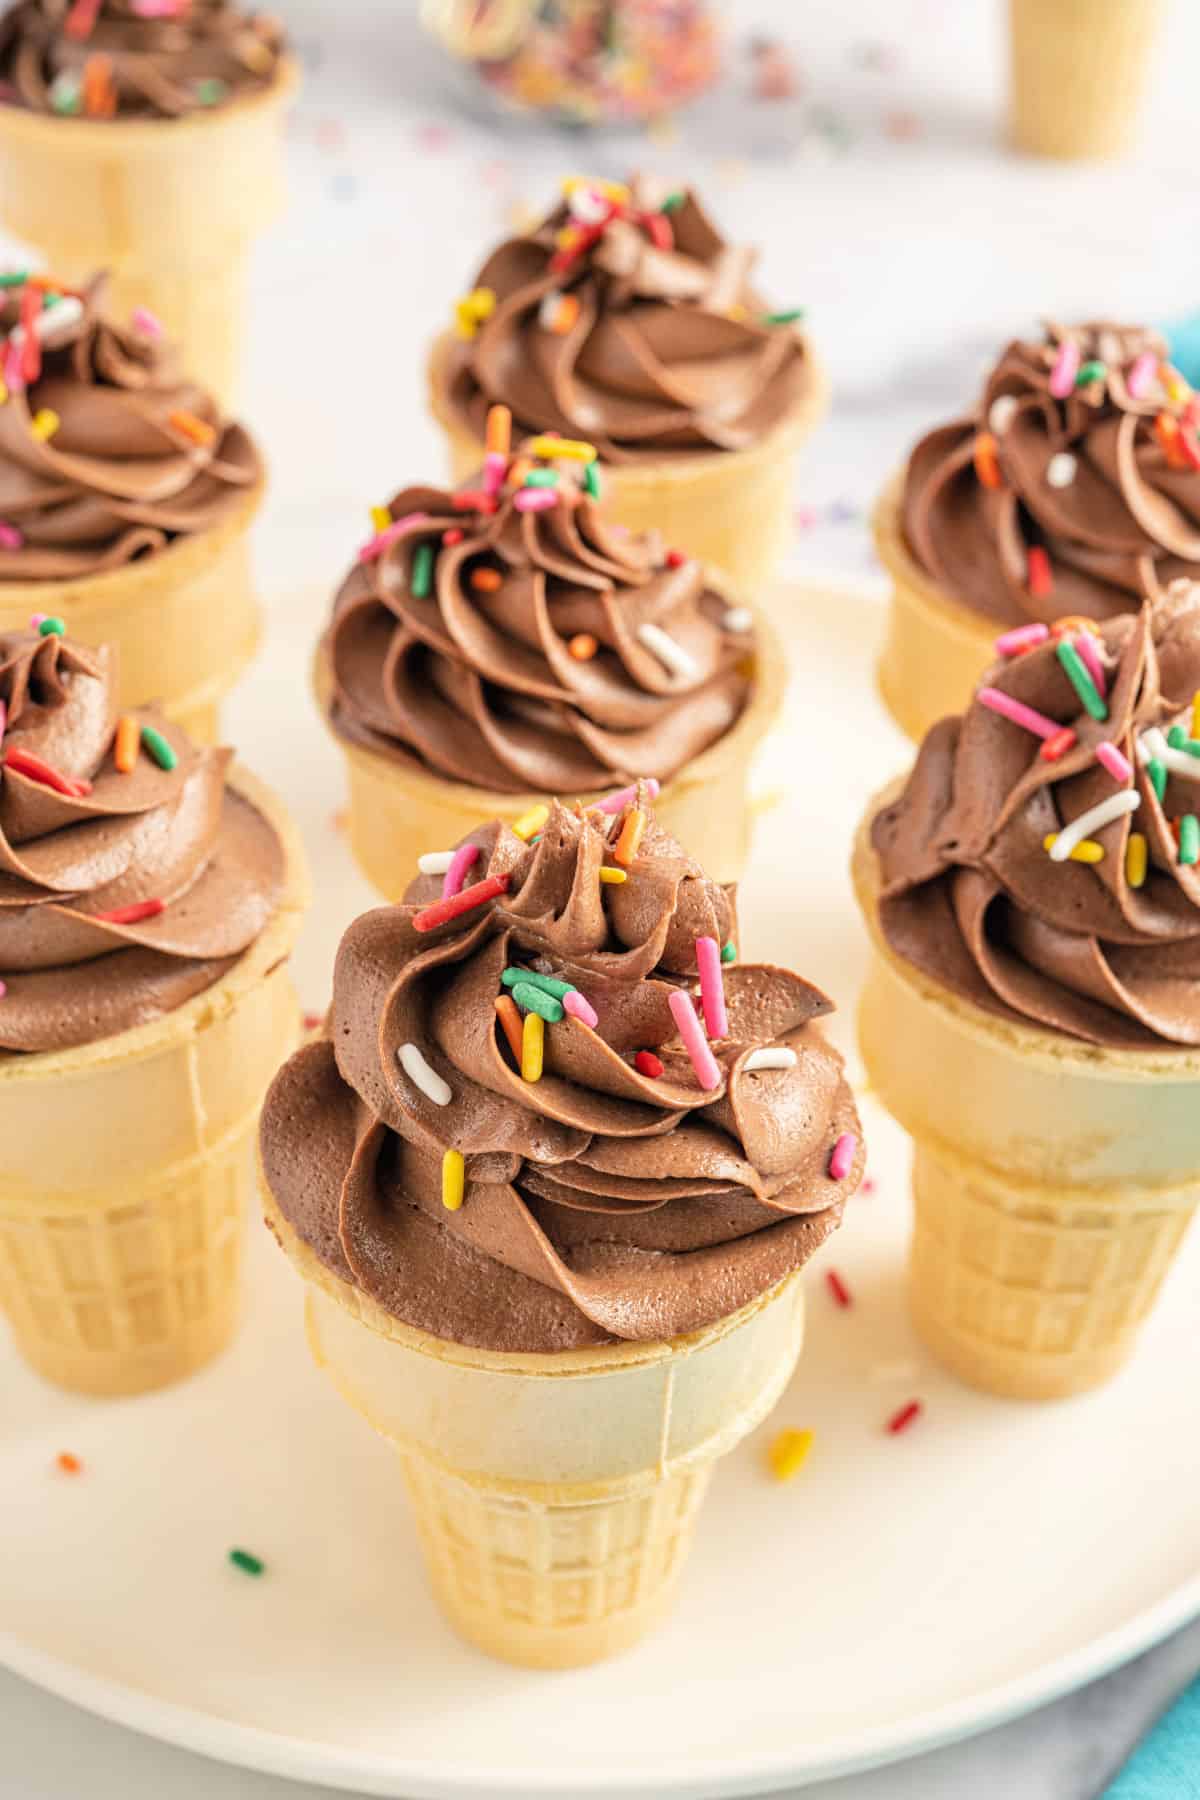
[161, 62]
[968, 892]
[479, 683]
[140, 456]
[600, 1202]
[669, 353]
[179, 836]
[1085, 479]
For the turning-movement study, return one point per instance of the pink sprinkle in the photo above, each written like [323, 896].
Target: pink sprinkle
[143, 320]
[1118, 766]
[708, 1071]
[35, 619]
[581, 1009]
[3, 989]
[1025, 637]
[10, 537]
[14, 379]
[1141, 374]
[535, 500]
[494, 469]
[1017, 712]
[3, 718]
[712, 987]
[1089, 656]
[842, 1160]
[1066, 367]
[385, 539]
[456, 874]
[615, 803]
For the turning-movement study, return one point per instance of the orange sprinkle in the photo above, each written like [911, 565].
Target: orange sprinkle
[518, 470]
[626, 846]
[488, 581]
[564, 315]
[1166, 430]
[1073, 622]
[125, 750]
[198, 430]
[984, 456]
[499, 430]
[512, 1023]
[99, 94]
[68, 1463]
[583, 646]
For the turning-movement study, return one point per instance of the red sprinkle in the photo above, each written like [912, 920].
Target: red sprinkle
[646, 1063]
[310, 1021]
[675, 559]
[81, 20]
[1058, 745]
[131, 915]
[31, 349]
[1040, 574]
[473, 500]
[430, 917]
[657, 226]
[1189, 445]
[453, 536]
[68, 1463]
[838, 1288]
[905, 1417]
[24, 762]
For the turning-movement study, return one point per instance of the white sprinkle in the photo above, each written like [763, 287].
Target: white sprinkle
[673, 657]
[422, 1076]
[52, 322]
[435, 862]
[738, 618]
[1001, 412]
[780, 1058]
[1115, 807]
[1153, 746]
[548, 310]
[588, 206]
[1061, 470]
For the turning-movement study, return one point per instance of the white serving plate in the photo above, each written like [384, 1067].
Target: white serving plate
[902, 1592]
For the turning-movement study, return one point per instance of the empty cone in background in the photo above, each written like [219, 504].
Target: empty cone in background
[1078, 73]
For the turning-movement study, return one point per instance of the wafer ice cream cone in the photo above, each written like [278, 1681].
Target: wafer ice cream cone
[1078, 73]
[131, 1077]
[1056, 1136]
[561, 1285]
[442, 692]
[129, 502]
[1071, 490]
[170, 168]
[625, 321]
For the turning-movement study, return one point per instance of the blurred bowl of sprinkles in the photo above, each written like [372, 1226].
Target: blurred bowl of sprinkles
[582, 62]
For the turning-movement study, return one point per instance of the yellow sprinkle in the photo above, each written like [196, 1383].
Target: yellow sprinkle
[533, 1047]
[1087, 850]
[616, 191]
[1135, 860]
[3, 392]
[381, 518]
[530, 823]
[465, 322]
[565, 449]
[1196, 713]
[45, 424]
[1177, 388]
[482, 301]
[453, 1180]
[614, 876]
[788, 1453]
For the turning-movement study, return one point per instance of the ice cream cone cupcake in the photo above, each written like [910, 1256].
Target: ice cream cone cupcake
[152, 896]
[1078, 73]
[1072, 490]
[501, 642]
[550, 1217]
[1032, 1014]
[125, 502]
[150, 143]
[625, 321]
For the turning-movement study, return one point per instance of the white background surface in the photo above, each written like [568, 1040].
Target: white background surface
[916, 255]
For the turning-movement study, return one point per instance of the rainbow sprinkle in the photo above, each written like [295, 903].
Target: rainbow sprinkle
[453, 1179]
[788, 1453]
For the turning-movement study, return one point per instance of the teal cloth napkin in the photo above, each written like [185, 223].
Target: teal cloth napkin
[1165, 1765]
[1184, 339]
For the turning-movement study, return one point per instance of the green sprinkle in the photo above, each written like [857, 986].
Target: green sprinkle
[247, 1562]
[535, 1000]
[542, 478]
[422, 571]
[211, 91]
[50, 300]
[1089, 372]
[548, 983]
[14, 278]
[729, 952]
[158, 747]
[1189, 838]
[52, 628]
[1081, 681]
[673, 202]
[1178, 739]
[591, 480]
[1157, 772]
[66, 94]
[784, 318]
